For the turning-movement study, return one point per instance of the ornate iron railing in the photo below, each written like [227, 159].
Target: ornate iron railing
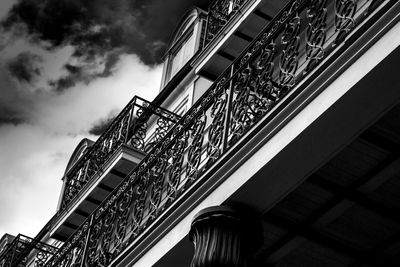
[219, 14]
[297, 41]
[16, 253]
[140, 125]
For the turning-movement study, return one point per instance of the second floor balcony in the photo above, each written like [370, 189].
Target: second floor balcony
[101, 166]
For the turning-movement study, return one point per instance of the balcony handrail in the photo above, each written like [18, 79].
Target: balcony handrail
[163, 176]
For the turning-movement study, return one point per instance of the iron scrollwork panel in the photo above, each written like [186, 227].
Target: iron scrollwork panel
[139, 206]
[254, 90]
[264, 95]
[289, 61]
[196, 134]
[71, 254]
[241, 114]
[176, 154]
[122, 217]
[216, 132]
[139, 128]
[108, 232]
[43, 255]
[315, 33]
[158, 185]
[344, 18]
[103, 253]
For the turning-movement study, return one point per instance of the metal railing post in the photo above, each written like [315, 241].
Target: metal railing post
[84, 254]
[228, 111]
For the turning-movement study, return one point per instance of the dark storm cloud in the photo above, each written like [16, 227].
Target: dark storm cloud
[10, 112]
[100, 32]
[14, 121]
[101, 125]
[25, 67]
[74, 74]
[63, 83]
[8, 116]
[98, 28]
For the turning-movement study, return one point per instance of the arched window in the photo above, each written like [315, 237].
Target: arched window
[181, 55]
[80, 149]
[184, 44]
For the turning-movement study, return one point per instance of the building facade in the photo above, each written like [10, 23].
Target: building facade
[274, 141]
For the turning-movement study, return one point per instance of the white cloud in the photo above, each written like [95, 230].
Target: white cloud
[33, 156]
[81, 105]
[32, 162]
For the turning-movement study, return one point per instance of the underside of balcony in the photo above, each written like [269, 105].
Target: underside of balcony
[120, 163]
[347, 212]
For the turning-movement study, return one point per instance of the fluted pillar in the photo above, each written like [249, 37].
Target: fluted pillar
[223, 237]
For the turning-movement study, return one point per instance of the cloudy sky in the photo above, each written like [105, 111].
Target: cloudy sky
[66, 66]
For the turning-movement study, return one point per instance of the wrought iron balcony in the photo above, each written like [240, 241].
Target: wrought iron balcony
[16, 253]
[140, 125]
[300, 41]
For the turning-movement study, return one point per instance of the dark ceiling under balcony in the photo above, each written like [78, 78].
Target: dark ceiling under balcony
[346, 213]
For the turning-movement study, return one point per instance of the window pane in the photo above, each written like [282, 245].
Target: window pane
[182, 56]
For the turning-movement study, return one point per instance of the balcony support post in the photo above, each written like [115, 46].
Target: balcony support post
[222, 236]
[84, 254]
[228, 111]
[130, 121]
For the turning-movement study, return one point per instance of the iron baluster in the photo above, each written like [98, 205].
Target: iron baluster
[140, 202]
[195, 148]
[175, 171]
[344, 18]
[123, 212]
[240, 112]
[228, 111]
[288, 63]
[315, 33]
[157, 186]
[84, 257]
[216, 130]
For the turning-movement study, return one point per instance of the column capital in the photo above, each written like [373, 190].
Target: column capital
[223, 236]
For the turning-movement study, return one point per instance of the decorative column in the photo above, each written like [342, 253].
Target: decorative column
[223, 237]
